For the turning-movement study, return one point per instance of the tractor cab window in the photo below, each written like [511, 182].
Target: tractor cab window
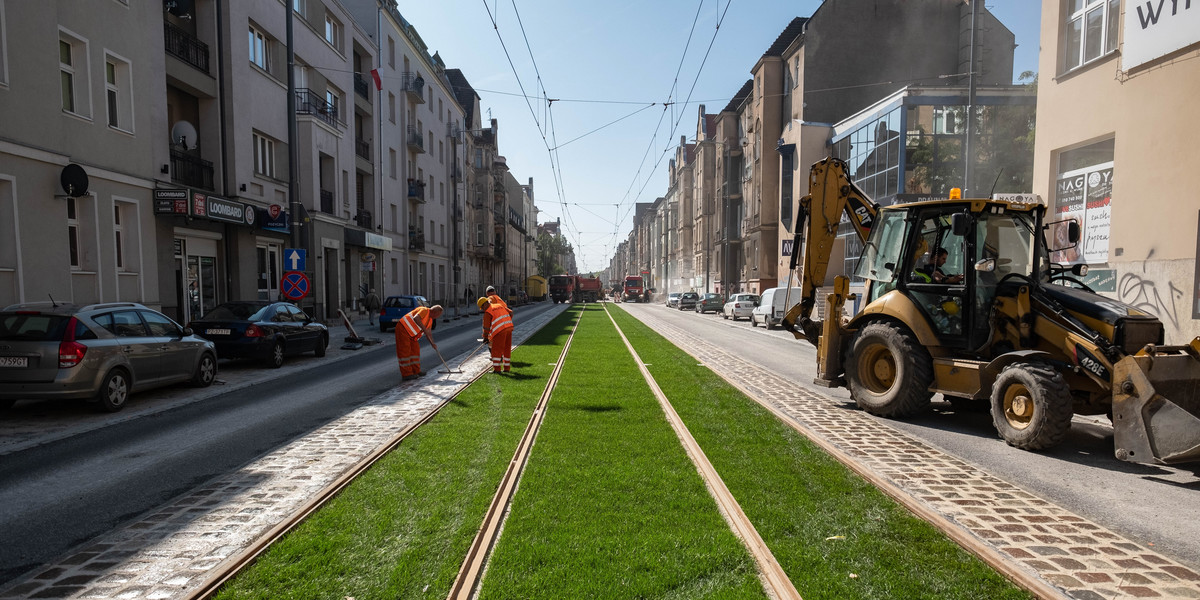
[883, 255]
[938, 281]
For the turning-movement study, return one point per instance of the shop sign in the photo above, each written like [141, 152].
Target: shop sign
[1101, 280]
[1156, 28]
[274, 218]
[378, 242]
[1085, 196]
[171, 202]
[227, 211]
[199, 207]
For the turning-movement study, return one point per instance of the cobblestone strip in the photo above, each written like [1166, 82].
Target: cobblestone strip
[1081, 558]
[169, 551]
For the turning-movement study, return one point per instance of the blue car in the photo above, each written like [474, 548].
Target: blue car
[395, 307]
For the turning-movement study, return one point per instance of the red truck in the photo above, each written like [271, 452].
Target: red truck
[588, 289]
[635, 290]
[562, 288]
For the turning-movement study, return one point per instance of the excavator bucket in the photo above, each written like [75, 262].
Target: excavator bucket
[1156, 405]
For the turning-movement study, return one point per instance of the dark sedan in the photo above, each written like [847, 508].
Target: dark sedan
[263, 330]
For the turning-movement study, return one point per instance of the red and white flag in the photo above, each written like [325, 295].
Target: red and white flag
[375, 76]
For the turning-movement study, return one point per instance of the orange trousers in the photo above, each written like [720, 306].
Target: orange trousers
[408, 352]
[502, 351]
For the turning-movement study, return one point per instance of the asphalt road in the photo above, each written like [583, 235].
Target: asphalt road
[61, 493]
[1148, 504]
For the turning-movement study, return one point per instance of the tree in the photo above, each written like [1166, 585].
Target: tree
[550, 250]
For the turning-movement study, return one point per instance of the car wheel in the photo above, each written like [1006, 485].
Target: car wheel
[1031, 406]
[322, 342]
[206, 371]
[114, 391]
[382, 328]
[725, 315]
[888, 371]
[753, 322]
[275, 358]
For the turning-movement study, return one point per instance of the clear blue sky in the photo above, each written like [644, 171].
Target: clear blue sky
[609, 61]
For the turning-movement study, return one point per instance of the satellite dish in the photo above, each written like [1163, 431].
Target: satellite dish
[184, 134]
[74, 180]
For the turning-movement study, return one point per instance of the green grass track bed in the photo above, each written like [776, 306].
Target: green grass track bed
[835, 534]
[609, 505]
[402, 529]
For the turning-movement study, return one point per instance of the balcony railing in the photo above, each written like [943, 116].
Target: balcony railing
[416, 239]
[363, 219]
[327, 202]
[186, 47]
[416, 190]
[363, 149]
[190, 170]
[414, 86]
[361, 87]
[416, 141]
[309, 103]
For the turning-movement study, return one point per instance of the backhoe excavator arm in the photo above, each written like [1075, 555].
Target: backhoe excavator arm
[830, 194]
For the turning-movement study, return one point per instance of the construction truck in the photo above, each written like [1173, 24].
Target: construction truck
[635, 289]
[962, 299]
[588, 289]
[562, 288]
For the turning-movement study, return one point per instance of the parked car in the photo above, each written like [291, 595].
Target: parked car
[771, 306]
[263, 330]
[688, 300]
[710, 303]
[673, 299]
[395, 307]
[739, 306]
[102, 352]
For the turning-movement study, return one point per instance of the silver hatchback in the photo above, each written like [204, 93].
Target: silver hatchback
[102, 352]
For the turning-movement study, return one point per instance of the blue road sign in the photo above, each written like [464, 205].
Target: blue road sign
[294, 285]
[295, 259]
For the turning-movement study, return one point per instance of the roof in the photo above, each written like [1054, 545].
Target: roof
[790, 33]
[464, 93]
[740, 96]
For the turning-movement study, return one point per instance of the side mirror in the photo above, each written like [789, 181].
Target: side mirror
[986, 265]
[187, 331]
[1073, 232]
[1079, 269]
[959, 224]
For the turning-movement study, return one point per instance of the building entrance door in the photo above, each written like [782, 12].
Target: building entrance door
[268, 271]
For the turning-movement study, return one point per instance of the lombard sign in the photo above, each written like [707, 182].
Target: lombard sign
[191, 203]
[171, 202]
[228, 211]
[1155, 28]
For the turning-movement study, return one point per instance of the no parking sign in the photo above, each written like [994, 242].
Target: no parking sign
[294, 285]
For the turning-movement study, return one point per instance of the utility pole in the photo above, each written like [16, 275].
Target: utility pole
[970, 102]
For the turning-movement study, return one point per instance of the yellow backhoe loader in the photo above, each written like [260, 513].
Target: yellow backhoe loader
[963, 300]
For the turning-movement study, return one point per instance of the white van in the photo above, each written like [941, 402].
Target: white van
[771, 309]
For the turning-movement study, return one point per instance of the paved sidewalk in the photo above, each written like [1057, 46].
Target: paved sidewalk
[1078, 557]
[169, 551]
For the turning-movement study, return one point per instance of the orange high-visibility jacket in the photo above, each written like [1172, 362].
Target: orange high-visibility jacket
[409, 322]
[496, 318]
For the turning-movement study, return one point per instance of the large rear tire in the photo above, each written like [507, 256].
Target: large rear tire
[888, 371]
[1031, 406]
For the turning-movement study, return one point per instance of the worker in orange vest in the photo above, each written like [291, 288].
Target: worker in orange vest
[497, 332]
[493, 297]
[419, 322]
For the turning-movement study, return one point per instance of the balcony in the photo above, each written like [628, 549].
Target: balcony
[499, 253]
[363, 219]
[416, 239]
[186, 47]
[416, 141]
[327, 202]
[309, 103]
[363, 149]
[191, 170]
[414, 87]
[416, 191]
[361, 87]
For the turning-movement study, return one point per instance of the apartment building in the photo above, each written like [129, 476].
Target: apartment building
[1116, 86]
[680, 219]
[704, 193]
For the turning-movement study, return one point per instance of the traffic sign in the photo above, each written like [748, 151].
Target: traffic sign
[294, 285]
[295, 259]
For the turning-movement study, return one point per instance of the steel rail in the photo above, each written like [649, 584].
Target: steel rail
[777, 583]
[990, 556]
[470, 574]
[247, 556]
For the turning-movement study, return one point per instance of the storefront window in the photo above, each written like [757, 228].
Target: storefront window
[1083, 193]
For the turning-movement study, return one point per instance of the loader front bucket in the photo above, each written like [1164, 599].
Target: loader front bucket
[1156, 405]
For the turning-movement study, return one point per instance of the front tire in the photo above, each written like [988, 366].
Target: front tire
[1031, 406]
[275, 358]
[114, 391]
[888, 371]
[206, 371]
[322, 343]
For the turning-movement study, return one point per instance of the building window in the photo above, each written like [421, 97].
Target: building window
[1083, 193]
[391, 52]
[3, 46]
[1091, 31]
[333, 32]
[441, 151]
[334, 100]
[73, 232]
[264, 156]
[72, 67]
[260, 49]
[118, 85]
[392, 163]
[298, 6]
[440, 107]
[479, 234]
[391, 107]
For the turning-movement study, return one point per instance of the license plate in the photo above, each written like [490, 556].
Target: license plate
[217, 331]
[19, 362]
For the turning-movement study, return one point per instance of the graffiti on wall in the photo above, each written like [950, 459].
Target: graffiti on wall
[1146, 294]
